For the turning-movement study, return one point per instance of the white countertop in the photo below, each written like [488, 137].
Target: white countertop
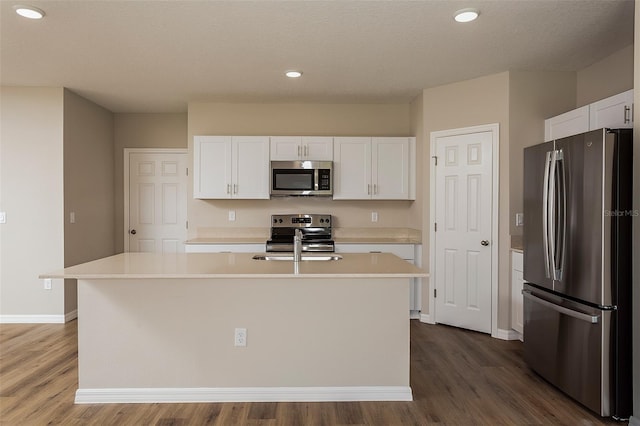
[237, 265]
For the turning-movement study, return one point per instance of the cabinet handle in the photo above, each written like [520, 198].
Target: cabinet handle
[299, 150]
[369, 189]
[228, 189]
[235, 188]
[306, 151]
[627, 110]
[375, 189]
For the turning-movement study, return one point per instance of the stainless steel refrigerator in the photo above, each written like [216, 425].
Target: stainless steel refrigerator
[577, 267]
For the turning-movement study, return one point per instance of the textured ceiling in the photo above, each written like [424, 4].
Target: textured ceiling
[156, 56]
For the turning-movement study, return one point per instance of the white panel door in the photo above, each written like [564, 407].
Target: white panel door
[463, 255]
[390, 168]
[250, 167]
[157, 202]
[352, 168]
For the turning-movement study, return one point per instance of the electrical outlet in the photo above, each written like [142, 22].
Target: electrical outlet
[47, 283]
[241, 337]
[374, 216]
[232, 215]
[519, 219]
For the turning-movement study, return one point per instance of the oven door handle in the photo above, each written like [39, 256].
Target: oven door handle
[593, 319]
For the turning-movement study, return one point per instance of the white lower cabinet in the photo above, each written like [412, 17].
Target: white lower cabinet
[517, 281]
[412, 253]
[225, 248]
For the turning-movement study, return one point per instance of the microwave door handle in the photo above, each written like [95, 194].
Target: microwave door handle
[545, 214]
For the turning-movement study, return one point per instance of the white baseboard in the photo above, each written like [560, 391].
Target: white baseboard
[426, 318]
[38, 319]
[634, 421]
[248, 394]
[506, 334]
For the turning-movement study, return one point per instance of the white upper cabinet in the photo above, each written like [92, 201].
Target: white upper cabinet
[570, 123]
[380, 168]
[352, 168]
[316, 148]
[231, 167]
[615, 112]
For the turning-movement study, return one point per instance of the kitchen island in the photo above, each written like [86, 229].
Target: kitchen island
[163, 328]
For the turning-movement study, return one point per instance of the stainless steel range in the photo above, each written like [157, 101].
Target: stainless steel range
[315, 228]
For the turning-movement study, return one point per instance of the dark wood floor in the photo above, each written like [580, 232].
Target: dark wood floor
[458, 377]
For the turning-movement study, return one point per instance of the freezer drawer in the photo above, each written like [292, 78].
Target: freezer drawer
[568, 344]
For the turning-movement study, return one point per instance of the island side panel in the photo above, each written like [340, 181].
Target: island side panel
[173, 333]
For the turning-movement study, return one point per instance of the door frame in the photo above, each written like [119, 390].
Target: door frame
[127, 154]
[495, 131]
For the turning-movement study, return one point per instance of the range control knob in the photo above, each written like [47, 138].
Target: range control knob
[280, 220]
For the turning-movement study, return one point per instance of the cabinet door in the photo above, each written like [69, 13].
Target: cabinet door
[570, 123]
[352, 168]
[517, 304]
[615, 112]
[284, 148]
[250, 167]
[212, 166]
[390, 168]
[317, 148]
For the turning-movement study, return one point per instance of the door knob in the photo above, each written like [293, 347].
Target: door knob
[132, 232]
[484, 242]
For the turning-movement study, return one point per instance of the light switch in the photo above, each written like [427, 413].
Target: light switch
[519, 219]
[3, 217]
[232, 215]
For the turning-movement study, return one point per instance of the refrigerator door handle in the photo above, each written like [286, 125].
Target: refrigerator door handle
[545, 214]
[593, 319]
[560, 216]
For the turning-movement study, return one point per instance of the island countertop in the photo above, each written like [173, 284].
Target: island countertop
[237, 265]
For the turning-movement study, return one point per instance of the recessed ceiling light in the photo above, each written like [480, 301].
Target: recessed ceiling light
[466, 15]
[293, 74]
[29, 12]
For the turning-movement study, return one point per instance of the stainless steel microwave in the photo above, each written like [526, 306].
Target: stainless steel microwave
[301, 178]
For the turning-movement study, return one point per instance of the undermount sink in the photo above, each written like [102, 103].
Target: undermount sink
[290, 257]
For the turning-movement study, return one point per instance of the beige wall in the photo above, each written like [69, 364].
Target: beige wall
[533, 97]
[142, 131]
[296, 119]
[468, 103]
[88, 185]
[607, 77]
[31, 193]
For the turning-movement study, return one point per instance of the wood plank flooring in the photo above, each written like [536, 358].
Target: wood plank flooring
[458, 377]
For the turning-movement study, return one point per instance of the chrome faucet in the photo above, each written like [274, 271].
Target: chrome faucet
[297, 246]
